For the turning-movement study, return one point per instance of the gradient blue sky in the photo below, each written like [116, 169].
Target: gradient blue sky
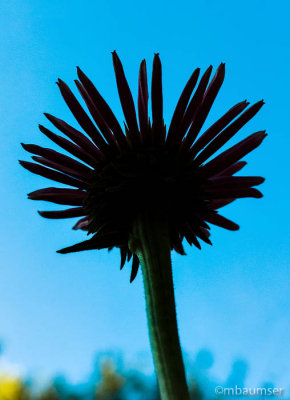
[56, 311]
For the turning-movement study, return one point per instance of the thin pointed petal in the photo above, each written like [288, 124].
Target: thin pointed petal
[82, 224]
[229, 132]
[232, 169]
[53, 175]
[202, 235]
[126, 98]
[219, 220]
[181, 105]
[102, 125]
[157, 101]
[70, 147]
[143, 99]
[61, 168]
[69, 213]
[194, 103]
[57, 157]
[81, 116]
[216, 204]
[205, 106]
[76, 136]
[234, 153]
[69, 197]
[236, 194]
[97, 242]
[103, 107]
[123, 254]
[221, 182]
[218, 126]
[135, 267]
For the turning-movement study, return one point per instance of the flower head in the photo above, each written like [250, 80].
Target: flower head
[116, 175]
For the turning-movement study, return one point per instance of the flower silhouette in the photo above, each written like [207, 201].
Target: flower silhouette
[117, 174]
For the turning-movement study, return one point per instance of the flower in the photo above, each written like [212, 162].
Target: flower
[145, 168]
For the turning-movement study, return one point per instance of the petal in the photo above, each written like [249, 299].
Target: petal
[53, 175]
[232, 169]
[181, 106]
[135, 267]
[98, 118]
[234, 153]
[76, 136]
[194, 103]
[123, 254]
[236, 194]
[176, 241]
[126, 98]
[219, 220]
[70, 147]
[97, 242]
[221, 182]
[216, 204]
[70, 197]
[157, 101]
[218, 126]
[202, 235]
[81, 116]
[229, 132]
[143, 99]
[82, 224]
[190, 237]
[103, 107]
[205, 106]
[59, 167]
[59, 158]
[69, 213]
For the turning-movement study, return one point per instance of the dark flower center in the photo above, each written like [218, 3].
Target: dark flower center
[151, 179]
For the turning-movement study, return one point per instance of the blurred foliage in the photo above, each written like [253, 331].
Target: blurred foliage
[12, 388]
[111, 380]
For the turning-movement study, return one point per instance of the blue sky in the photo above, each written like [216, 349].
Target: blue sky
[56, 311]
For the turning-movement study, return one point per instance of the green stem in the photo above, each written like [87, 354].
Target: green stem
[151, 243]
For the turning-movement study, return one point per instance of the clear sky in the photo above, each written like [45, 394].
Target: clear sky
[56, 310]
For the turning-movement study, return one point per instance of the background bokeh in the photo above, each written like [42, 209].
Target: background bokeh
[233, 302]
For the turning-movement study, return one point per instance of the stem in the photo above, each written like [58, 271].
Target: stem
[151, 243]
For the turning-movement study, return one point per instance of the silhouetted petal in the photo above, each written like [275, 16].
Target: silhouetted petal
[157, 101]
[51, 174]
[81, 116]
[104, 128]
[218, 126]
[59, 167]
[229, 132]
[123, 254]
[234, 153]
[103, 108]
[54, 156]
[70, 147]
[76, 136]
[82, 224]
[69, 197]
[236, 193]
[181, 106]
[232, 169]
[219, 220]
[143, 99]
[194, 103]
[97, 242]
[126, 98]
[222, 182]
[205, 106]
[135, 267]
[69, 213]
